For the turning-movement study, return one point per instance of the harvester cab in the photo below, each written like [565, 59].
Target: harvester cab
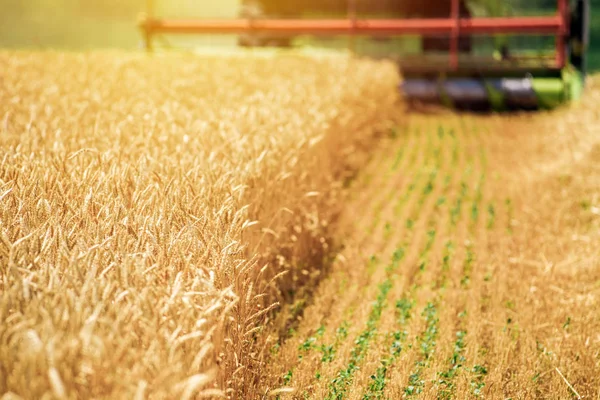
[465, 54]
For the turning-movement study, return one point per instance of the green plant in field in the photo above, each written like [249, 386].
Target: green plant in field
[388, 230]
[446, 378]
[342, 332]
[510, 212]
[431, 234]
[446, 263]
[403, 308]
[477, 383]
[479, 191]
[491, 216]
[474, 212]
[567, 324]
[397, 258]
[446, 259]
[437, 154]
[585, 205]
[339, 385]
[377, 386]
[372, 264]
[307, 344]
[311, 344]
[456, 210]
[428, 339]
[426, 343]
[321, 331]
[440, 202]
[428, 189]
[468, 267]
[328, 352]
[287, 377]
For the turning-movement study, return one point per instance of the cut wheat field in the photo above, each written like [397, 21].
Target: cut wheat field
[282, 226]
[469, 269]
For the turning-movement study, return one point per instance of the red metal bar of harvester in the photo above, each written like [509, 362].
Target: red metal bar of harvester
[553, 25]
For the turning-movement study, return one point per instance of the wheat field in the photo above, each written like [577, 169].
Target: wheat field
[280, 225]
[154, 211]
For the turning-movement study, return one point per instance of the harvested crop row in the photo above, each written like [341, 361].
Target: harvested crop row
[407, 206]
[469, 306]
[149, 207]
[410, 375]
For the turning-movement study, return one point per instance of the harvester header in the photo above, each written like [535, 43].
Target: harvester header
[463, 60]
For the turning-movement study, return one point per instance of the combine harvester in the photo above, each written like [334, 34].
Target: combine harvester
[466, 56]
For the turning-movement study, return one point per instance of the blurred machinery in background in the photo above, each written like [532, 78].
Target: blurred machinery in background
[271, 9]
[477, 54]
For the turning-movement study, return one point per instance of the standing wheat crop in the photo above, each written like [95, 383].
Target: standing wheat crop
[155, 210]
